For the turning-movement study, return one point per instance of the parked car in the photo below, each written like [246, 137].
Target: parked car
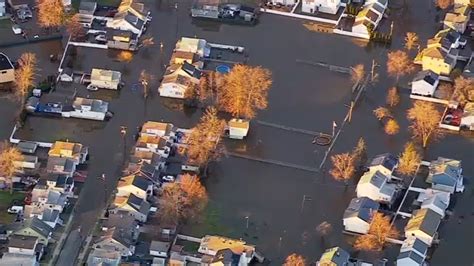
[101, 38]
[168, 178]
[92, 87]
[15, 209]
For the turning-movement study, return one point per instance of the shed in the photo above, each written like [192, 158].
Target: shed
[238, 128]
[27, 147]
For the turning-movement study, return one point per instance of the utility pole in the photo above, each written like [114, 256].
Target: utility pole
[123, 133]
[373, 75]
[351, 107]
[247, 221]
[305, 198]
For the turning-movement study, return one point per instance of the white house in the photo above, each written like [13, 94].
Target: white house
[153, 144]
[88, 109]
[178, 80]
[374, 185]
[437, 201]
[159, 248]
[105, 79]
[156, 129]
[238, 128]
[412, 253]
[425, 83]
[27, 162]
[324, 6]
[193, 45]
[446, 175]
[358, 215]
[384, 163]
[283, 2]
[116, 240]
[7, 72]
[100, 256]
[18, 259]
[127, 21]
[25, 245]
[423, 225]
[138, 185]
[369, 17]
[136, 206]
[211, 245]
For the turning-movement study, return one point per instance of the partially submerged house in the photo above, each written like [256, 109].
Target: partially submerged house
[374, 185]
[156, 128]
[335, 256]
[160, 248]
[214, 247]
[106, 79]
[75, 151]
[358, 215]
[128, 21]
[412, 252]
[425, 83]
[384, 163]
[7, 71]
[324, 6]
[369, 17]
[122, 40]
[178, 80]
[437, 201]
[458, 18]
[89, 109]
[193, 45]
[238, 128]
[446, 175]
[61, 165]
[423, 225]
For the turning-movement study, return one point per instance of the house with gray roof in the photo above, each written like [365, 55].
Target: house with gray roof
[358, 215]
[423, 225]
[437, 201]
[425, 83]
[61, 165]
[9, 259]
[384, 163]
[99, 257]
[335, 256]
[116, 240]
[409, 258]
[412, 252]
[135, 205]
[35, 227]
[127, 21]
[22, 244]
[375, 185]
[139, 185]
[51, 217]
[446, 175]
[122, 220]
[160, 248]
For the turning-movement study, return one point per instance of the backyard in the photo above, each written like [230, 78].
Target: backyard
[6, 200]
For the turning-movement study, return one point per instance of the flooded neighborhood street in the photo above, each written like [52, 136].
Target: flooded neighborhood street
[282, 205]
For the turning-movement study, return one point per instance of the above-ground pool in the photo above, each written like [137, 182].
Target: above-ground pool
[223, 69]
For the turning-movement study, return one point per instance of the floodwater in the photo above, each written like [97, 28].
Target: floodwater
[283, 205]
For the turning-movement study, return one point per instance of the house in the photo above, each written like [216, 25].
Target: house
[45, 198]
[176, 82]
[423, 225]
[446, 175]
[116, 240]
[425, 83]
[412, 253]
[369, 17]
[3, 9]
[283, 2]
[7, 71]
[87, 7]
[179, 57]
[9, 259]
[136, 8]
[122, 40]
[335, 256]
[140, 186]
[63, 166]
[212, 248]
[467, 119]
[99, 257]
[238, 128]
[89, 109]
[358, 215]
[437, 201]
[156, 128]
[159, 248]
[25, 245]
[27, 147]
[28, 162]
[193, 45]
[127, 21]
[464, 2]
[51, 217]
[106, 79]
[35, 227]
[75, 151]
[374, 185]
[324, 6]
[137, 206]
[458, 18]
[154, 144]
[61, 183]
[384, 163]
[122, 220]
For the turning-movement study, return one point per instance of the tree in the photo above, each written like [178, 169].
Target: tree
[148, 41]
[425, 119]
[382, 112]
[9, 155]
[391, 127]
[343, 167]
[204, 139]
[25, 75]
[359, 154]
[463, 90]
[380, 229]
[445, 91]
[399, 64]
[244, 90]
[409, 160]
[183, 200]
[144, 79]
[50, 13]
[444, 4]
[392, 97]
[411, 41]
[75, 28]
[294, 260]
[324, 228]
[125, 56]
[357, 73]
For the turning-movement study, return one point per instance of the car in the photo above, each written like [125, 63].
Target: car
[168, 178]
[92, 87]
[15, 209]
[101, 38]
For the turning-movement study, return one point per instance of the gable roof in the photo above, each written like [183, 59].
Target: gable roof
[38, 226]
[120, 235]
[411, 255]
[444, 171]
[414, 243]
[376, 178]
[425, 220]
[136, 180]
[5, 62]
[386, 160]
[428, 76]
[160, 246]
[362, 208]
[334, 256]
[24, 242]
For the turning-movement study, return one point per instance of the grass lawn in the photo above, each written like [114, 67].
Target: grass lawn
[5, 201]
[115, 3]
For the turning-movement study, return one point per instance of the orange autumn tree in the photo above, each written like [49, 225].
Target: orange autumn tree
[183, 200]
[380, 229]
[425, 120]
[9, 155]
[75, 28]
[244, 90]
[50, 13]
[343, 167]
[409, 160]
[399, 64]
[391, 127]
[411, 41]
[294, 260]
[393, 99]
[25, 75]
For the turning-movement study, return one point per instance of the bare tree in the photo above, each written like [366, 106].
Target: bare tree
[411, 41]
[145, 79]
[50, 13]
[409, 160]
[359, 153]
[245, 90]
[382, 112]
[444, 4]
[357, 73]
[9, 156]
[380, 230]
[183, 200]
[25, 75]
[343, 167]
[75, 28]
[463, 90]
[393, 99]
[425, 120]
[391, 127]
[294, 260]
[399, 64]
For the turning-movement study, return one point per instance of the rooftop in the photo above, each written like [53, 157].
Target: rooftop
[5, 62]
[23, 242]
[424, 220]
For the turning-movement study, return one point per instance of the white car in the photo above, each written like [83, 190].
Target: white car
[168, 178]
[15, 209]
[101, 38]
[92, 87]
